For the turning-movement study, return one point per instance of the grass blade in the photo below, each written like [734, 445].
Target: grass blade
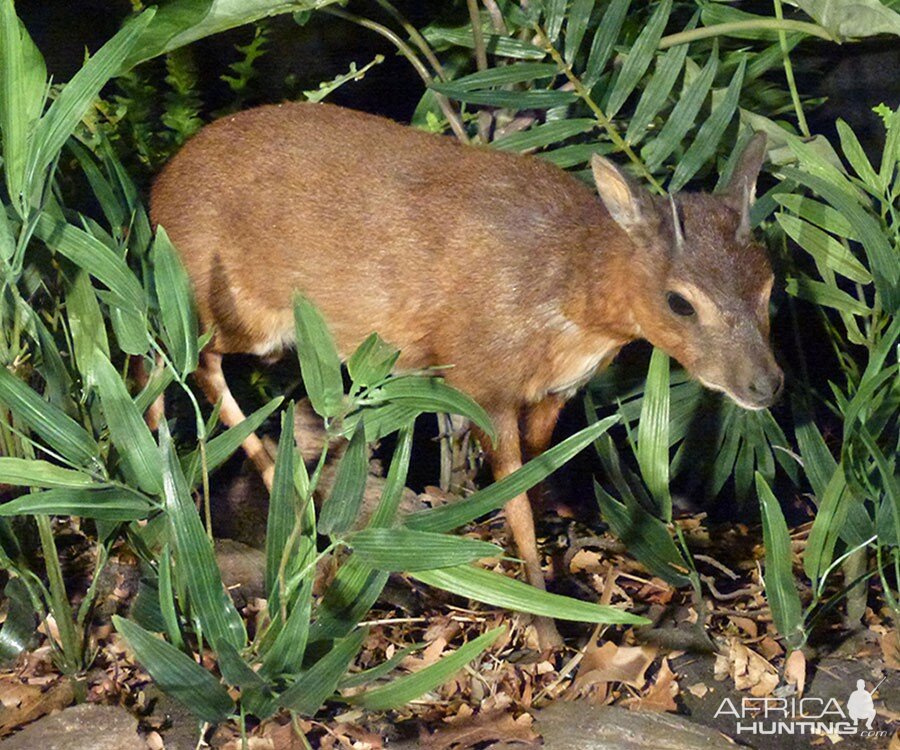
[604, 38]
[340, 509]
[176, 304]
[104, 503]
[397, 550]
[320, 364]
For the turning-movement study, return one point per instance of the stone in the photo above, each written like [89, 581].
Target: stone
[83, 727]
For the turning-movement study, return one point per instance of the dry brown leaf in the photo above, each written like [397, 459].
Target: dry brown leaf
[890, 648]
[895, 742]
[795, 670]
[698, 689]
[21, 703]
[486, 727]
[749, 670]
[745, 625]
[588, 561]
[661, 695]
[612, 663]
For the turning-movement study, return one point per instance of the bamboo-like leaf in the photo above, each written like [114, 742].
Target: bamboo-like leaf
[48, 421]
[177, 674]
[825, 295]
[515, 100]
[395, 483]
[129, 432]
[828, 526]
[545, 134]
[820, 214]
[283, 504]
[499, 591]
[129, 326]
[824, 248]
[341, 508]
[707, 139]
[103, 503]
[398, 550]
[890, 157]
[24, 472]
[405, 689]
[80, 92]
[852, 149]
[523, 72]
[453, 515]
[639, 58]
[500, 46]
[20, 625]
[176, 304]
[781, 593]
[576, 25]
[604, 38]
[555, 13]
[320, 364]
[645, 536]
[195, 559]
[683, 115]
[372, 361]
[310, 690]
[351, 594]
[86, 325]
[653, 433]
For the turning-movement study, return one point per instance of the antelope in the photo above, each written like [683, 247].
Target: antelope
[508, 269]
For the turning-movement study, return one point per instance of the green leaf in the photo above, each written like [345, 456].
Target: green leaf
[86, 324]
[177, 674]
[639, 58]
[516, 100]
[852, 20]
[20, 625]
[604, 38]
[372, 361]
[62, 433]
[395, 483]
[668, 67]
[710, 133]
[856, 156]
[176, 304]
[129, 432]
[283, 504]
[409, 687]
[499, 591]
[825, 295]
[24, 472]
[507, 74]
[320, 364]
[555, 13]
[453, 515]
[398, 550]
[348, 598]
[817, 213]
[432, 395]
[500, 46]
[645, 536]
[340, 509]
[102, 503]
[196, 568]
[653, 433]
[824, 248]
[827, 527]
[683, 115]
[576, 26]
[891, 154]
[781, 591]
[310, 690]
[545, 134]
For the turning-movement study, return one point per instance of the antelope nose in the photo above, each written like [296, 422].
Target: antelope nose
[767, 387]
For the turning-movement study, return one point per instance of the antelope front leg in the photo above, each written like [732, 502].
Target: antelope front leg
[506, 458]
[212, 381]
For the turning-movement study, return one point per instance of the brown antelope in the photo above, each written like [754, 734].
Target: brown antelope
[503, 266]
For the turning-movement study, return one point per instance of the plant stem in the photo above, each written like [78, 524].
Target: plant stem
[59, 599]
[763, 24]
[585, 95]
[789, 74]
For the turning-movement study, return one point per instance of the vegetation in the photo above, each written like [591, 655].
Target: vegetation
[672, 89]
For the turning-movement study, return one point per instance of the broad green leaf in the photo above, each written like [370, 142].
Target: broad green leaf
[283, 505]
[395, 483]
[516, 100]
[555, 13]
[320, 364]
[372, 361]
[86, 325]
[849, 20]
[668, 68]
[398, 550]
[545, 134]
[195, 559]
[310, 690]
[604, 38]
[824, 248]
[710, 133]
[95, 257]
[129, 326]
[20, 625]
[820, 214]
[158, 380]
[177, 674]
[825, 295]
[499, 46]
[453, 515]
[515, 73]
[129, 432]
[62, 433]
[890, 157]
[176, 304]
[340, 509]
[433, 395]
[166, 595]
[576, 26]
[781, 591]
[500, 591]
[828, 526]
[645, 536]
[653, 433]
[348, 598]
[405, 689]
[852, 149]
[683, 115]
[25, 472]
[639, 58]
[103, 503]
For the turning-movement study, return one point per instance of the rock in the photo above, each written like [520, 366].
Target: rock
[83, 727]
[243, 570]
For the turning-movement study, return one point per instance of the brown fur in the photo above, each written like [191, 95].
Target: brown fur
[503, 266]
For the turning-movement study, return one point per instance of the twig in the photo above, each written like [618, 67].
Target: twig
[416, 37]
[724, 29]
[789, 74]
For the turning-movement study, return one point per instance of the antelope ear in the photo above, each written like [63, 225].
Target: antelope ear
[623, 198]
[740, 192]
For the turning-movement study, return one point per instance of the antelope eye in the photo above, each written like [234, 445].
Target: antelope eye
[679, 305]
